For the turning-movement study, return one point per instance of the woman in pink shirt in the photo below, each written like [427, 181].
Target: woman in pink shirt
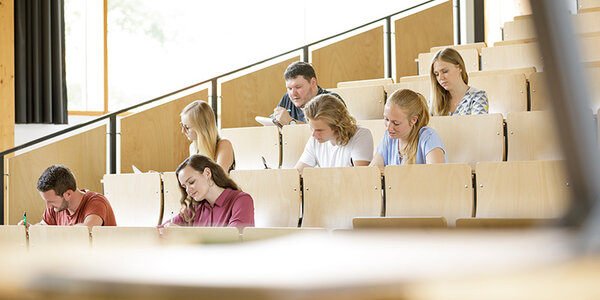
[211, 198]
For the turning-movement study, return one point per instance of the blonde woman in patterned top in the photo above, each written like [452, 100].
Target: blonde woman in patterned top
[450, 92]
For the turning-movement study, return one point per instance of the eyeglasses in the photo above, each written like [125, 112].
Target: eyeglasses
[184, 127]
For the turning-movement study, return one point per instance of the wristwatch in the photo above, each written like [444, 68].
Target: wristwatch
[293, 122]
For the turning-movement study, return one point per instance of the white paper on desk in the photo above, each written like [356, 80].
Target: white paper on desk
[264, 120]
[136, 170]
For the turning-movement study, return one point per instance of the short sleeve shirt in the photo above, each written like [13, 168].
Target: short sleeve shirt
[475, 102]
[92, 203]
[297, 113]
[428, 140]
[327, 155]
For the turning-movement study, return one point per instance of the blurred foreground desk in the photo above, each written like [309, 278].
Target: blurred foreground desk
[450, 264]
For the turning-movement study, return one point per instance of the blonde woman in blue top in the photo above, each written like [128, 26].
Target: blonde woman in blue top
[450, 92]
[407, 139]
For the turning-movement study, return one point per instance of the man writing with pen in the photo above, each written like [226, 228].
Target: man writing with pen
[66, 205]
[301, 84]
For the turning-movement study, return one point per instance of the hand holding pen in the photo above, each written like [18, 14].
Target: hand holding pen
[282, 115]
[24, 221]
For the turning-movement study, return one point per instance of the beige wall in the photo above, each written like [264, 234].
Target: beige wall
[499, 11]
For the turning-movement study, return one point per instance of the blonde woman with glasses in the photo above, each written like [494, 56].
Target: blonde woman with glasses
[199, 126]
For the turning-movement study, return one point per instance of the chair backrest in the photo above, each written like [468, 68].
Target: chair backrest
[540, 94]
[276, 194]
[364, 102]
[250, 143]
[470, 139]
[506, 92]
[398, 222]
[263, 233]
[501, 222]
[524, 189]
[587, 22]
[13, 237]
[377, 128]
[368, 82]
[429, 190]
[136, 199]
[522, 55]
[469, 56]
[333, 196]
[589, 47]
[42, 236]
[519, 29]
[293, 138]
[200, 235]
[420, 84]
[121, 236]
[527, 71]
[172, 195]
[476, 46]
[532, 135]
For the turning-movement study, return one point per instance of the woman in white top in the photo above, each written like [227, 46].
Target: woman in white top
[336, 140]
[450, 92]
[199, 126]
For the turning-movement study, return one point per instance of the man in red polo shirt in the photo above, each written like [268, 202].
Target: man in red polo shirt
[66, 205]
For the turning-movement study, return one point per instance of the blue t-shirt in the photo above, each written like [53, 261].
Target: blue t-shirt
[428, 140]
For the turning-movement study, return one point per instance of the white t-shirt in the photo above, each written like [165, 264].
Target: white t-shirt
[326, 155]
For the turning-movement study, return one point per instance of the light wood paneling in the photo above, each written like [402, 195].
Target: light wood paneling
[418, 32]
[496, 223]
[251, 143]
[540, 94]
[590, 44]
[84, 154]
[526, 71]
[258, 233]
[519, 29]
[584, 4]
[363, 102]
[113, 236]
[532, 135]
[377, 128]
[358, 57]
[7, 86]
[294, 138]
[420, 84]
[506, 92]
[476, 46]
[172, 194]
[367, 82]
[254, 94]
[152, 139]
[333, 196]
[398, 222]
[136, 199]
[525, 189]
[200, 235]
[429, 190]
[44, 238]
[471, 139]
[276, 194]
[13, 237]
[511, 57]
[469, 56]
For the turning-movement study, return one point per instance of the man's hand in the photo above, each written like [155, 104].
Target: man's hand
[281, 115]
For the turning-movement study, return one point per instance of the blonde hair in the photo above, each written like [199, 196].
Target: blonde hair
[440, 97]
[412, 104]
[331, 110]
[203, 123]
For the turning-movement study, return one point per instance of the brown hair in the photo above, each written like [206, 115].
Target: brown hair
[331, 110]
[218, 175]
[440, 97]
[412, 104]
[58, 178]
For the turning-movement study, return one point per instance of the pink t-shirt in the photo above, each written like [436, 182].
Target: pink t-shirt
[92, 203]
[232, 208]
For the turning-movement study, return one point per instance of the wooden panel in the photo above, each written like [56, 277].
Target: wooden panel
[200, 235]
[377, 128]
[469, 56]
[294, 139]
[276, 195]
[511, 57]
[42, 237]
[13, 237]
[538, 91]
[135, 198]
[84, 154]
[502, 222]
[7, 87]
[367, 82]
[358, 57]
[590, 45]
[398, 222]
[172, 195]
[526, 189]
[587, 22]
[254, 94]
[583, 4]
[506, 92]
[526, 71]
[471, 139]
[258, 233]
[532, 135]
[420, 84]
[333, 196]
[476, 46]
[418, 32]
[363, 103]
[152, 139]
[429, 190]
[113, 236]
[251, 143]
[519, 29]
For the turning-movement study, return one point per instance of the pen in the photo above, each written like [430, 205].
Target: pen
[288, 110]
[25, 218]
[264, 162]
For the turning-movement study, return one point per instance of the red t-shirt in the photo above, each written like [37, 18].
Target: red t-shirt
[232, 208]
[92, 203]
